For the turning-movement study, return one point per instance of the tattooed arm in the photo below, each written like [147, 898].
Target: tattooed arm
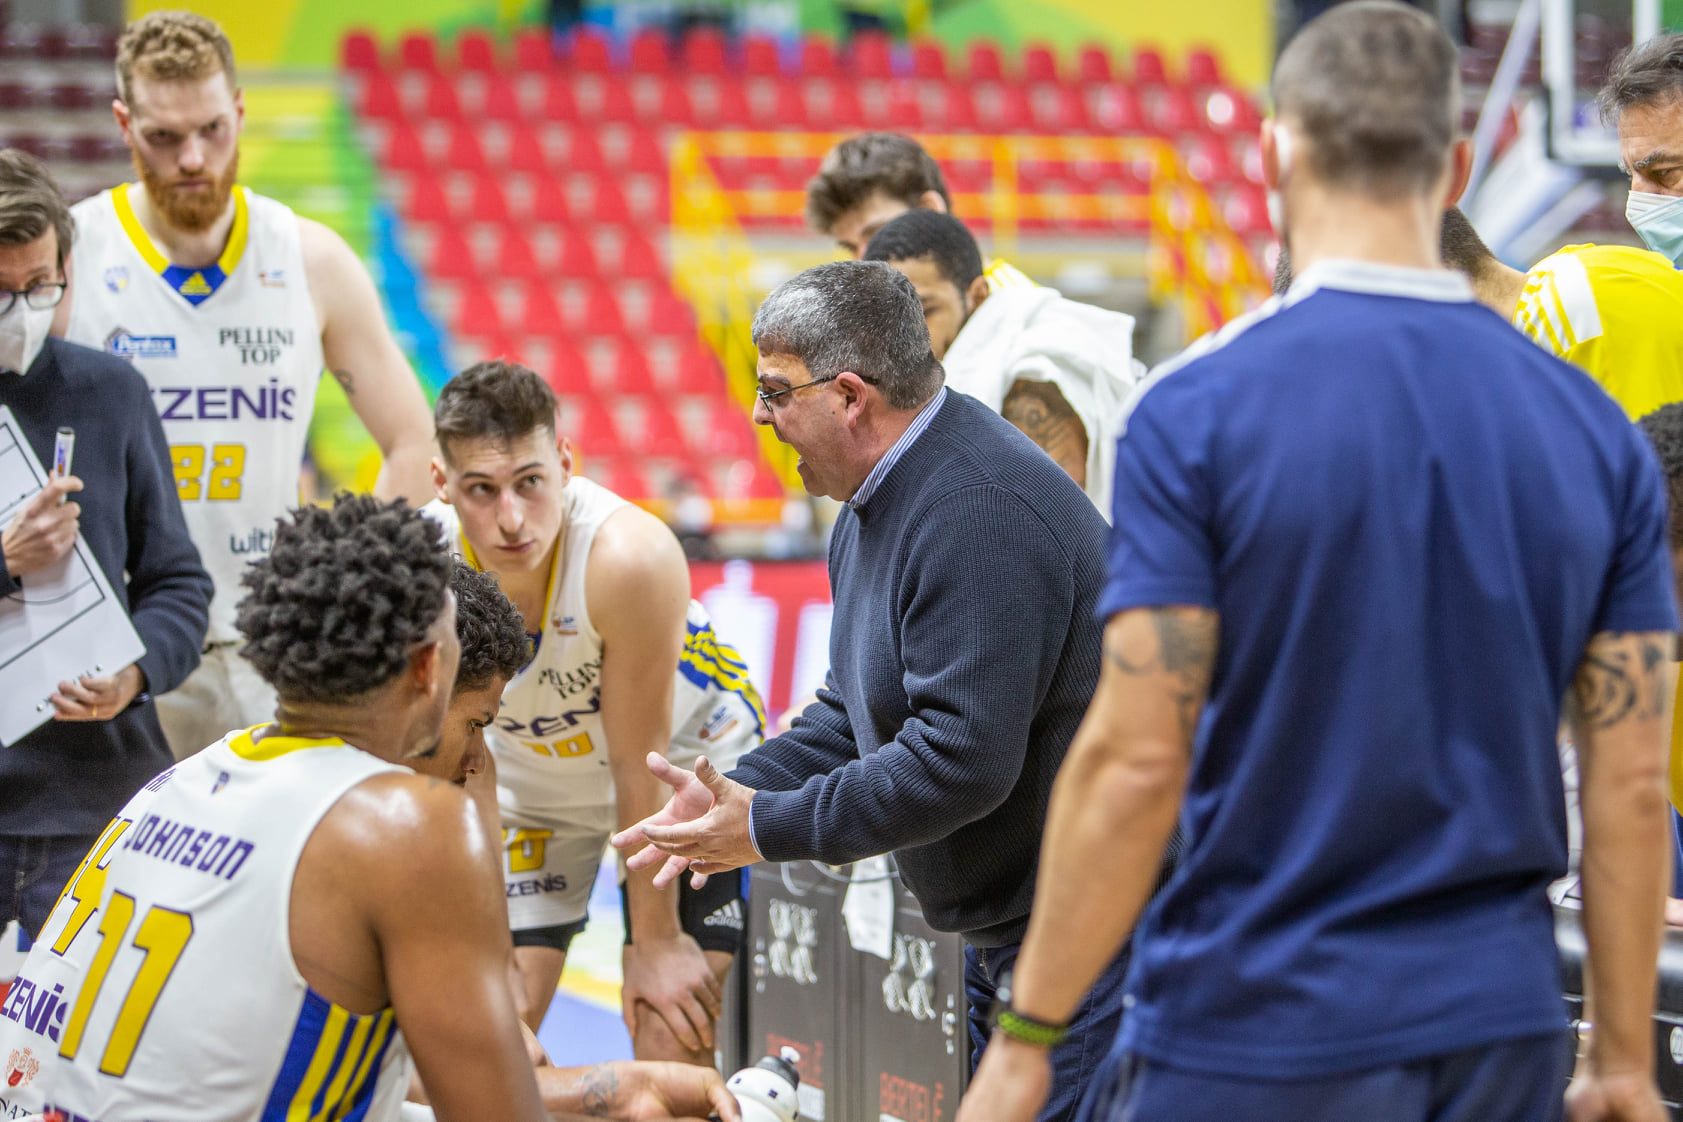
[1040, 411]
[1620, 713]
[637, 1092]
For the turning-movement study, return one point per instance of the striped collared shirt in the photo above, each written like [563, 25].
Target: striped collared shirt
[892, 456]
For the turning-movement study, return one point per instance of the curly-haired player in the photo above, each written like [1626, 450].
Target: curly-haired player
[273, 926]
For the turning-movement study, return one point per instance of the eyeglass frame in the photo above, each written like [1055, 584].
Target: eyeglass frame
[9, 296]
[767, 398]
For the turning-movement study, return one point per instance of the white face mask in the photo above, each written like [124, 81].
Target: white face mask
[1658, 219]
[23, 332]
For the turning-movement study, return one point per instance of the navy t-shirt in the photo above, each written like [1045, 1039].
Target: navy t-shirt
[1411, 520]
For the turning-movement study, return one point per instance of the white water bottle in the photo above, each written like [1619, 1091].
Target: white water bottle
[766, 1092]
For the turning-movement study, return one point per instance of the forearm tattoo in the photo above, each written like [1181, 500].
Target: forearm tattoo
[1185, 649]
[598, 1089]
[1040, 411]
[1622, 677]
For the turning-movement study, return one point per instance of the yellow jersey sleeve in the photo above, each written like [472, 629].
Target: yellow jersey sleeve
[1615, 311]
[1003, 274]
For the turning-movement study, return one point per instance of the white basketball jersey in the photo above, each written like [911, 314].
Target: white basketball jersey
[233, 355]
[163, 984]
[550, 746]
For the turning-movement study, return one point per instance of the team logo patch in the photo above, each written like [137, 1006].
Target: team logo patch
[117, 278]
[272, 278]
[725, 915]
[124, 345]
[196, 285]
[21, 1068]
[565, 625]
[221, 782]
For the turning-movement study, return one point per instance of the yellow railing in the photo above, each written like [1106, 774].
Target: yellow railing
[1193, 259]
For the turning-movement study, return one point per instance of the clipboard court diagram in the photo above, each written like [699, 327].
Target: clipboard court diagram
[63, 622]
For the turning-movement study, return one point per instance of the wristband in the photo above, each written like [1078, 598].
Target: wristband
[1027, 1030]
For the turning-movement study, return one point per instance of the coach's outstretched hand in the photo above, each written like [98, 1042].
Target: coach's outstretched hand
[1011, 1083]
[703, 827]
[1624, 1097]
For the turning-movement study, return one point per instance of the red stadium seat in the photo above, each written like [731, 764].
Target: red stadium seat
[1246, 212]
[1209, 162]
[558, 102]
[650, 53]
[501, 102]
[540, 313]
[593, 428]
[646, 155]
[760, 57]
[549, 202]
[818, 58]
[477, 313]
[380, 101]
[584, 154]
[441, 102]
[726, 433]
[359, 52]
[675, 108]
[427, 200]
[904, 108]
[846, 110]
[1202, 69]
[609, 204]
[1228, 111]
[639, 260]
[1171, 111]
[698, 372]
[1006, 111]
[1149, 69]
[617, 104]
[452, 257]
[403, 150]
[488, 202]
[476, 51]
[929, 60]
[534, 51]
[464, 152]
[625, 477]
[515, 259]
[733, 105]
[418, 50]
[601, 312]
[986, 62]
[1057, 109]
[1094, 64]
[870, 55]
[568, 372]
[630, 372]
[671, 315]
[704, 52]
[662, 434]
[960, 110]
[576, 258]
[591, 52]
[758, 481]
[1040, 63]
[1115, 109]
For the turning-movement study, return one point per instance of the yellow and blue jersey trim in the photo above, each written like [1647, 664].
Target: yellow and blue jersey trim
[710, 664]
[332, 1064]
[193, 285]
[275, 746]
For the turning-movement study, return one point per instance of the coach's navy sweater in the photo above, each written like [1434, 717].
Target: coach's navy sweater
[963, 653]
[72, 777]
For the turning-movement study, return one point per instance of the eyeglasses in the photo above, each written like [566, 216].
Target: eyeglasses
[41, 297]
[768, 398]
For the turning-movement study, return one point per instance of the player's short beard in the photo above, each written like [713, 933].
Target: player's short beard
[191, 212]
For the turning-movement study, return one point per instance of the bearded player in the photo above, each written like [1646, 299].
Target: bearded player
[603, 589]
[230, 305]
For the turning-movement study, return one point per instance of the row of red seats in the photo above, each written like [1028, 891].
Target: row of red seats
[75, 148]
[687, 369]
[63, 97]
[600, 428]
[539, 311]
[823, 103]
[634, 477]
[91, 42]
[706, 51]
[513, 252]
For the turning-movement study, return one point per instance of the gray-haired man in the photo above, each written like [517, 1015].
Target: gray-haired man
[965, 569]
[1644, 95]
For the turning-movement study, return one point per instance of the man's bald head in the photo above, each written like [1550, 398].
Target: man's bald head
[1372, 91]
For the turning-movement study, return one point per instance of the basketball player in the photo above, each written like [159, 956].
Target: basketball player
[494, 649]
[604, 592]
[272, 927]
[230, 305]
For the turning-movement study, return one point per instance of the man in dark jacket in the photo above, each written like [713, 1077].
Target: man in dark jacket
[60, 784]
[965, 566]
